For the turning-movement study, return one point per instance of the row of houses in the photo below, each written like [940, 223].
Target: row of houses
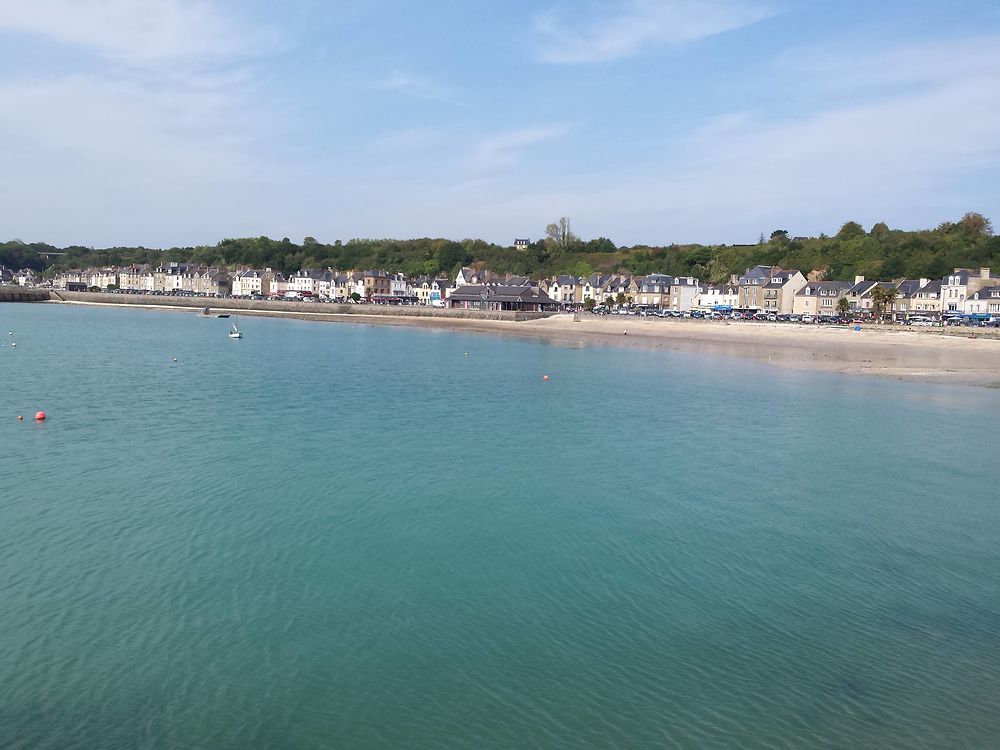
[780, 291]
[761, 288]
[25, 277]
[193, 278]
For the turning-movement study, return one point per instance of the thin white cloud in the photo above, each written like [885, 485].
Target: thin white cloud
[915, 157]
[139, 32]
[421, 87]
[845, 68]
[623, 28]
[505, 148]
[168, 114]
[174, 130]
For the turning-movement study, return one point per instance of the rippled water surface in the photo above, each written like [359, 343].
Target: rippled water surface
[345, 536]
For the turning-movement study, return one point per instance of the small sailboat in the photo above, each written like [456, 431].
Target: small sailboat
[235, 332]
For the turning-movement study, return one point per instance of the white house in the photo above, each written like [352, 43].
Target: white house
[985, 301]
[25, 277]
[399, 286]
[958, 285]
[136, 277]
[683, 292]
[717, 295]
[563, 290]
[104, 278]
[247, 283]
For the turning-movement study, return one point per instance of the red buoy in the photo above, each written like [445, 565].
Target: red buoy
[40, 416]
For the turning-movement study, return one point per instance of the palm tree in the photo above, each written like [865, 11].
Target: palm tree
[878, 298]
[843, 306]
[890, 297]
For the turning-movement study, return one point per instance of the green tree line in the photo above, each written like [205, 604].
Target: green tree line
[876, 253]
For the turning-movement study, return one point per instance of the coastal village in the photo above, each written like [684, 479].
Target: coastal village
[762, 292]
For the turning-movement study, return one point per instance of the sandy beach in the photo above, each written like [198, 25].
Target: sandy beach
[927, 355]
[931, 355]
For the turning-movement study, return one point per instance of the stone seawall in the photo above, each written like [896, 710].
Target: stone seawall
[309, 308]
[19, 294]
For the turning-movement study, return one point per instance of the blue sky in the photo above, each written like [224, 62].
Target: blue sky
[168, 122]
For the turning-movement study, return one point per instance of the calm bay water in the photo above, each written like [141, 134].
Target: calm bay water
[349, 536]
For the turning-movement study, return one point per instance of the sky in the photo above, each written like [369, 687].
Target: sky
[181, 122]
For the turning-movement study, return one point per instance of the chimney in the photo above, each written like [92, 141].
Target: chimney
[984, 273]
[858, 279]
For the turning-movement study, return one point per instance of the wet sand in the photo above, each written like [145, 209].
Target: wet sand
[931, 355]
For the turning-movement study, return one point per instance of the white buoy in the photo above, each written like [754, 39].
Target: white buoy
[12, 343]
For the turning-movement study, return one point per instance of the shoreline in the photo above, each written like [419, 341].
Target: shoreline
[925, 356]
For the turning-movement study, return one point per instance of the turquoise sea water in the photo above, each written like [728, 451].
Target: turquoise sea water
[345, 536]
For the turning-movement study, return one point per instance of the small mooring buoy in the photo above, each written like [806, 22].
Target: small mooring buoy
[40, 416]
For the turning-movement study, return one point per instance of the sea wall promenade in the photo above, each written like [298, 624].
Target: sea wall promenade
[430, 315]
[276, 307]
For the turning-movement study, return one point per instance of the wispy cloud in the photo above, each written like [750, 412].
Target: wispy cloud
[139, 32]
[843, 67]
[505, 148]
[623, 28]
[917, 156]
[421, 87]
[167, 112]
[170, 131]
[914, 152]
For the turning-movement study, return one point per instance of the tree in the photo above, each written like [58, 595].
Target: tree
[779, 234]
[589, 303]
[975, 225]
[599, 245]
[878, 300]
[850, 230]
[890, 298]
[880, 230]
[450, 256]
[843, 306]
[883, 297]
[355, 297]
[310, 241]
[620, 299]
[560, 237]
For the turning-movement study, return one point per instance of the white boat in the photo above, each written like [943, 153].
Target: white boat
[235, 333]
